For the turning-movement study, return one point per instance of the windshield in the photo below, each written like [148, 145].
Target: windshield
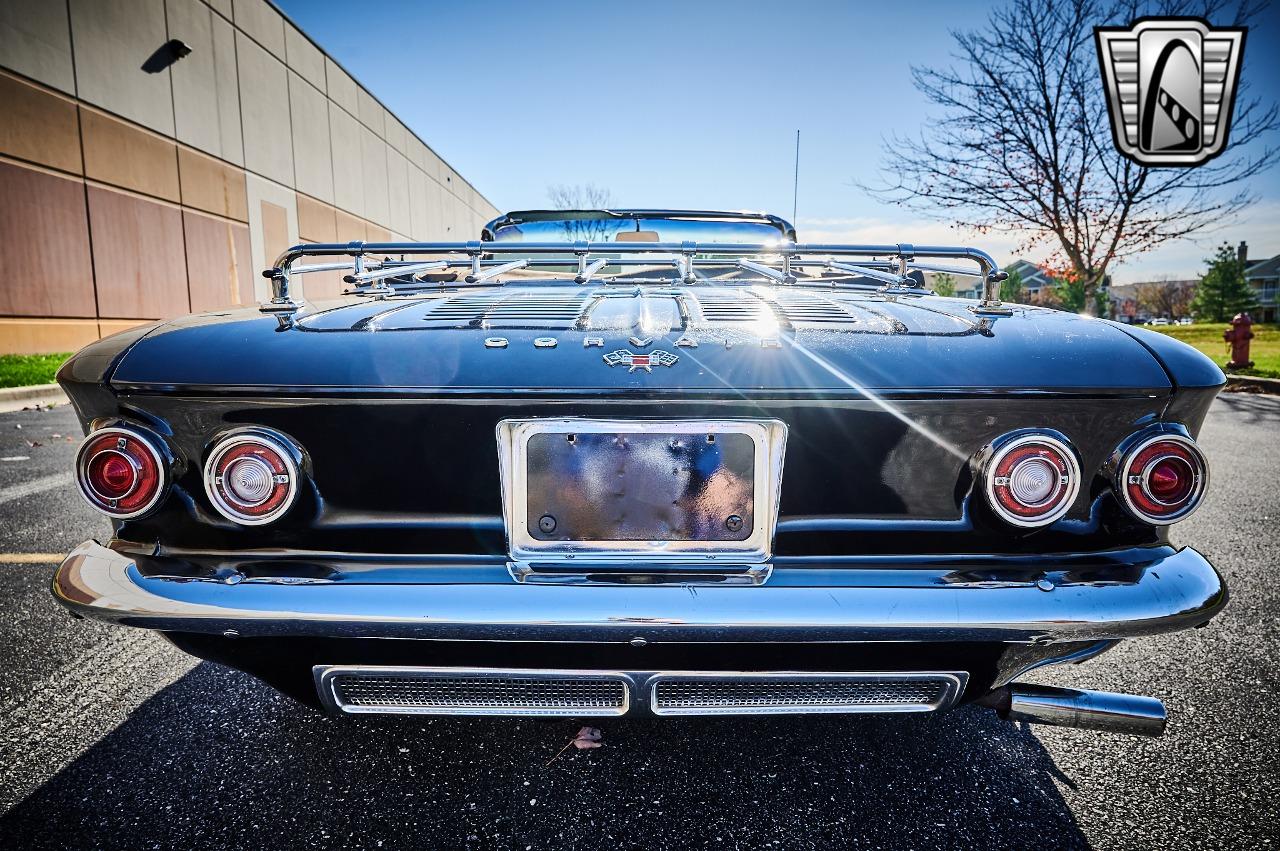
[638, 229]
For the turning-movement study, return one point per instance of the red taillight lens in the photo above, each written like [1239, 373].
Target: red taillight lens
[112, 474]
[1162, 478]
[1032, 480]
[121, 472]
[1171, 480]
[251, 478]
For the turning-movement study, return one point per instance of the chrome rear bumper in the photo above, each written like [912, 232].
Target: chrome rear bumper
[907, 602]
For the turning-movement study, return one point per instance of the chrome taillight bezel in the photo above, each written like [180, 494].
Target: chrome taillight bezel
[1067, 487]
[1125, 476]
[153, 447]
[237, 511]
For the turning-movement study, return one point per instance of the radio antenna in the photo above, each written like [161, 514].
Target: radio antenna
[795, 188]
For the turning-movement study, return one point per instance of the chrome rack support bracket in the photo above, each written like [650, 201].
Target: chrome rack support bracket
[281, 305]
[783, 277]
[906, 253]
[891, 280]
[587, 272]
[904, 284]
[685, 263]
[990, 304]
[414, 269]
[477, 276]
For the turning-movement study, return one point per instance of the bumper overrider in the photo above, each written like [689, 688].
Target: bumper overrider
[1072, 602]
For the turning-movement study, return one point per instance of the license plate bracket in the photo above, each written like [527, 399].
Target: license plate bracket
[680, 490]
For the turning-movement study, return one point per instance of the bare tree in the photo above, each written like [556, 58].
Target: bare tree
[582, 196]
[1166, 298]
[578, 196]
[1024, 143]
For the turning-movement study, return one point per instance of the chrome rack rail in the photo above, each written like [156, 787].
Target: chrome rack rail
[485, 261]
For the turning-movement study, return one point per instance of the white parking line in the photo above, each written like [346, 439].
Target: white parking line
[40, 485]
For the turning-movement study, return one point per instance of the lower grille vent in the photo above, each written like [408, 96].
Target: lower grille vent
[773, 694]
[451, 691]
[557, 693]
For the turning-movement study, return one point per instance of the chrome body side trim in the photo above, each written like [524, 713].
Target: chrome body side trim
[807, 602]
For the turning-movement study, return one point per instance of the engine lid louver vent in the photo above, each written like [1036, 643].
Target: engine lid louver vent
[801, 308]
[510, 310]
[733, 306]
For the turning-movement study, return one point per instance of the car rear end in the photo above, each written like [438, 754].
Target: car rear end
[377, 511]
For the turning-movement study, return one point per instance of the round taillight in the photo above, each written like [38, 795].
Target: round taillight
[1032, 480]
[121, 472]
[251, 478]
[1161, 479]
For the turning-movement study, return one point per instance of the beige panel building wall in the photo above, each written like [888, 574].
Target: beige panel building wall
[128, 196]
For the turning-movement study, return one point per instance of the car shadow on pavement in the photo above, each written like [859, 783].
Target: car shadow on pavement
[218, 759]
[1252, 407]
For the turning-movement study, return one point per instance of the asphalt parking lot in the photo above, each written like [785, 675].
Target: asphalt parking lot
[112, 738]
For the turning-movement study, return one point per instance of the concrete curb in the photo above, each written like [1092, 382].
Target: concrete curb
[17, 398]
[1253, 384]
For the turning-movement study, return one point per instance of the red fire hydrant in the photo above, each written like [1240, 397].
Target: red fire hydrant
[1238, 336]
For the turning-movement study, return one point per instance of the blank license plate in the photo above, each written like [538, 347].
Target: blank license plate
[655, 486]
[620, 487]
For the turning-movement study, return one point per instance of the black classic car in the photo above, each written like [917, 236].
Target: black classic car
[663, 471]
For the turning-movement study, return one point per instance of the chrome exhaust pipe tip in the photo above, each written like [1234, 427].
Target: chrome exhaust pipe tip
[1090, 710]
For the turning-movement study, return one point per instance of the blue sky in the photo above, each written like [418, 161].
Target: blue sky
[695, 104]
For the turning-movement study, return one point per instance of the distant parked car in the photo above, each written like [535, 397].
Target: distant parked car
[1186, 320]
[1159, 320]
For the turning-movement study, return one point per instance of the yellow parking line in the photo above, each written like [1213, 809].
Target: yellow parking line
[31, 558]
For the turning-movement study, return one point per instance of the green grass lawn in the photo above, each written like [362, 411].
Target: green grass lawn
[25, 370]
[1207, 337]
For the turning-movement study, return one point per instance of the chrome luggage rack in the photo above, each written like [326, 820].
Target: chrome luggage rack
[372, 271]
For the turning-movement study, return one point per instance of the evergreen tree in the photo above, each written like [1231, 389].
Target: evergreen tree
[944, 284]
[1071, 292]
[1223, 291]
[1011, 287]
[1102, 303]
